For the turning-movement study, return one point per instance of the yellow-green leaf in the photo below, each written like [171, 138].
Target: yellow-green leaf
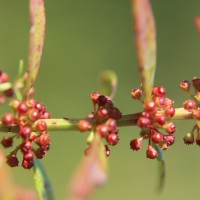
[37, 33]
[42, 183]
[108, 83]
[5, 86]
[145, 36]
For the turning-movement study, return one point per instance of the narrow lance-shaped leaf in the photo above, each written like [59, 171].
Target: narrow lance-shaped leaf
[42, 183]
[19, 81]
[161, 166]
[108, 83]
[37, 33]
[145, 36]
[91, 173]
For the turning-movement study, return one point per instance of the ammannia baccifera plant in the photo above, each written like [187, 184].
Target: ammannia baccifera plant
[27, 129]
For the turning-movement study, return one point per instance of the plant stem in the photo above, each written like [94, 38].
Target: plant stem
[71, 124]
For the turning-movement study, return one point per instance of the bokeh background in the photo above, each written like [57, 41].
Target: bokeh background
[83, 38]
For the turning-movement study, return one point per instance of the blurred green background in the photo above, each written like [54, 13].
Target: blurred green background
[83, 38]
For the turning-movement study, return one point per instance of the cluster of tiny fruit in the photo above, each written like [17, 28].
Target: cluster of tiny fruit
[35, 140]
[4, 78]
[193, 106]
[157, 111]
[102, 121]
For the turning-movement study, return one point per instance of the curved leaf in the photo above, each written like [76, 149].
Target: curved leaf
[161, 165]
[37, 33]
[91, 172]
[42, 183]
[108, 83]
[5, 86]
[145, 36]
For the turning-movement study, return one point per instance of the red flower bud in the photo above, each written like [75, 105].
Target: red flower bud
[112, 139]
[157, 137]
[185, 85]
[170, 128]
[136, 93]
[151, 152]
[136, 144]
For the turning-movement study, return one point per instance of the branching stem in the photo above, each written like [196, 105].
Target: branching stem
[66, 124]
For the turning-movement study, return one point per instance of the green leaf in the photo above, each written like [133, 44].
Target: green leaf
[108, 83]
[37, 33]
[5, 86]
[42, 183]
[20, 69]
[19, 81]
[145, 36]
[161, 166]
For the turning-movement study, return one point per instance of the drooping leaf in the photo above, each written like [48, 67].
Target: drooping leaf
[161, 166]
[91, 173]
[37, 33]
[42, 183]
[145, 36]
[108, 83]
[197, 23]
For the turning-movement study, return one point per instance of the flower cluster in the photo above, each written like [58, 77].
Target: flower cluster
[4, 78]
[157, 111]
[193, 106]
[35, 140]
[102, 121]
